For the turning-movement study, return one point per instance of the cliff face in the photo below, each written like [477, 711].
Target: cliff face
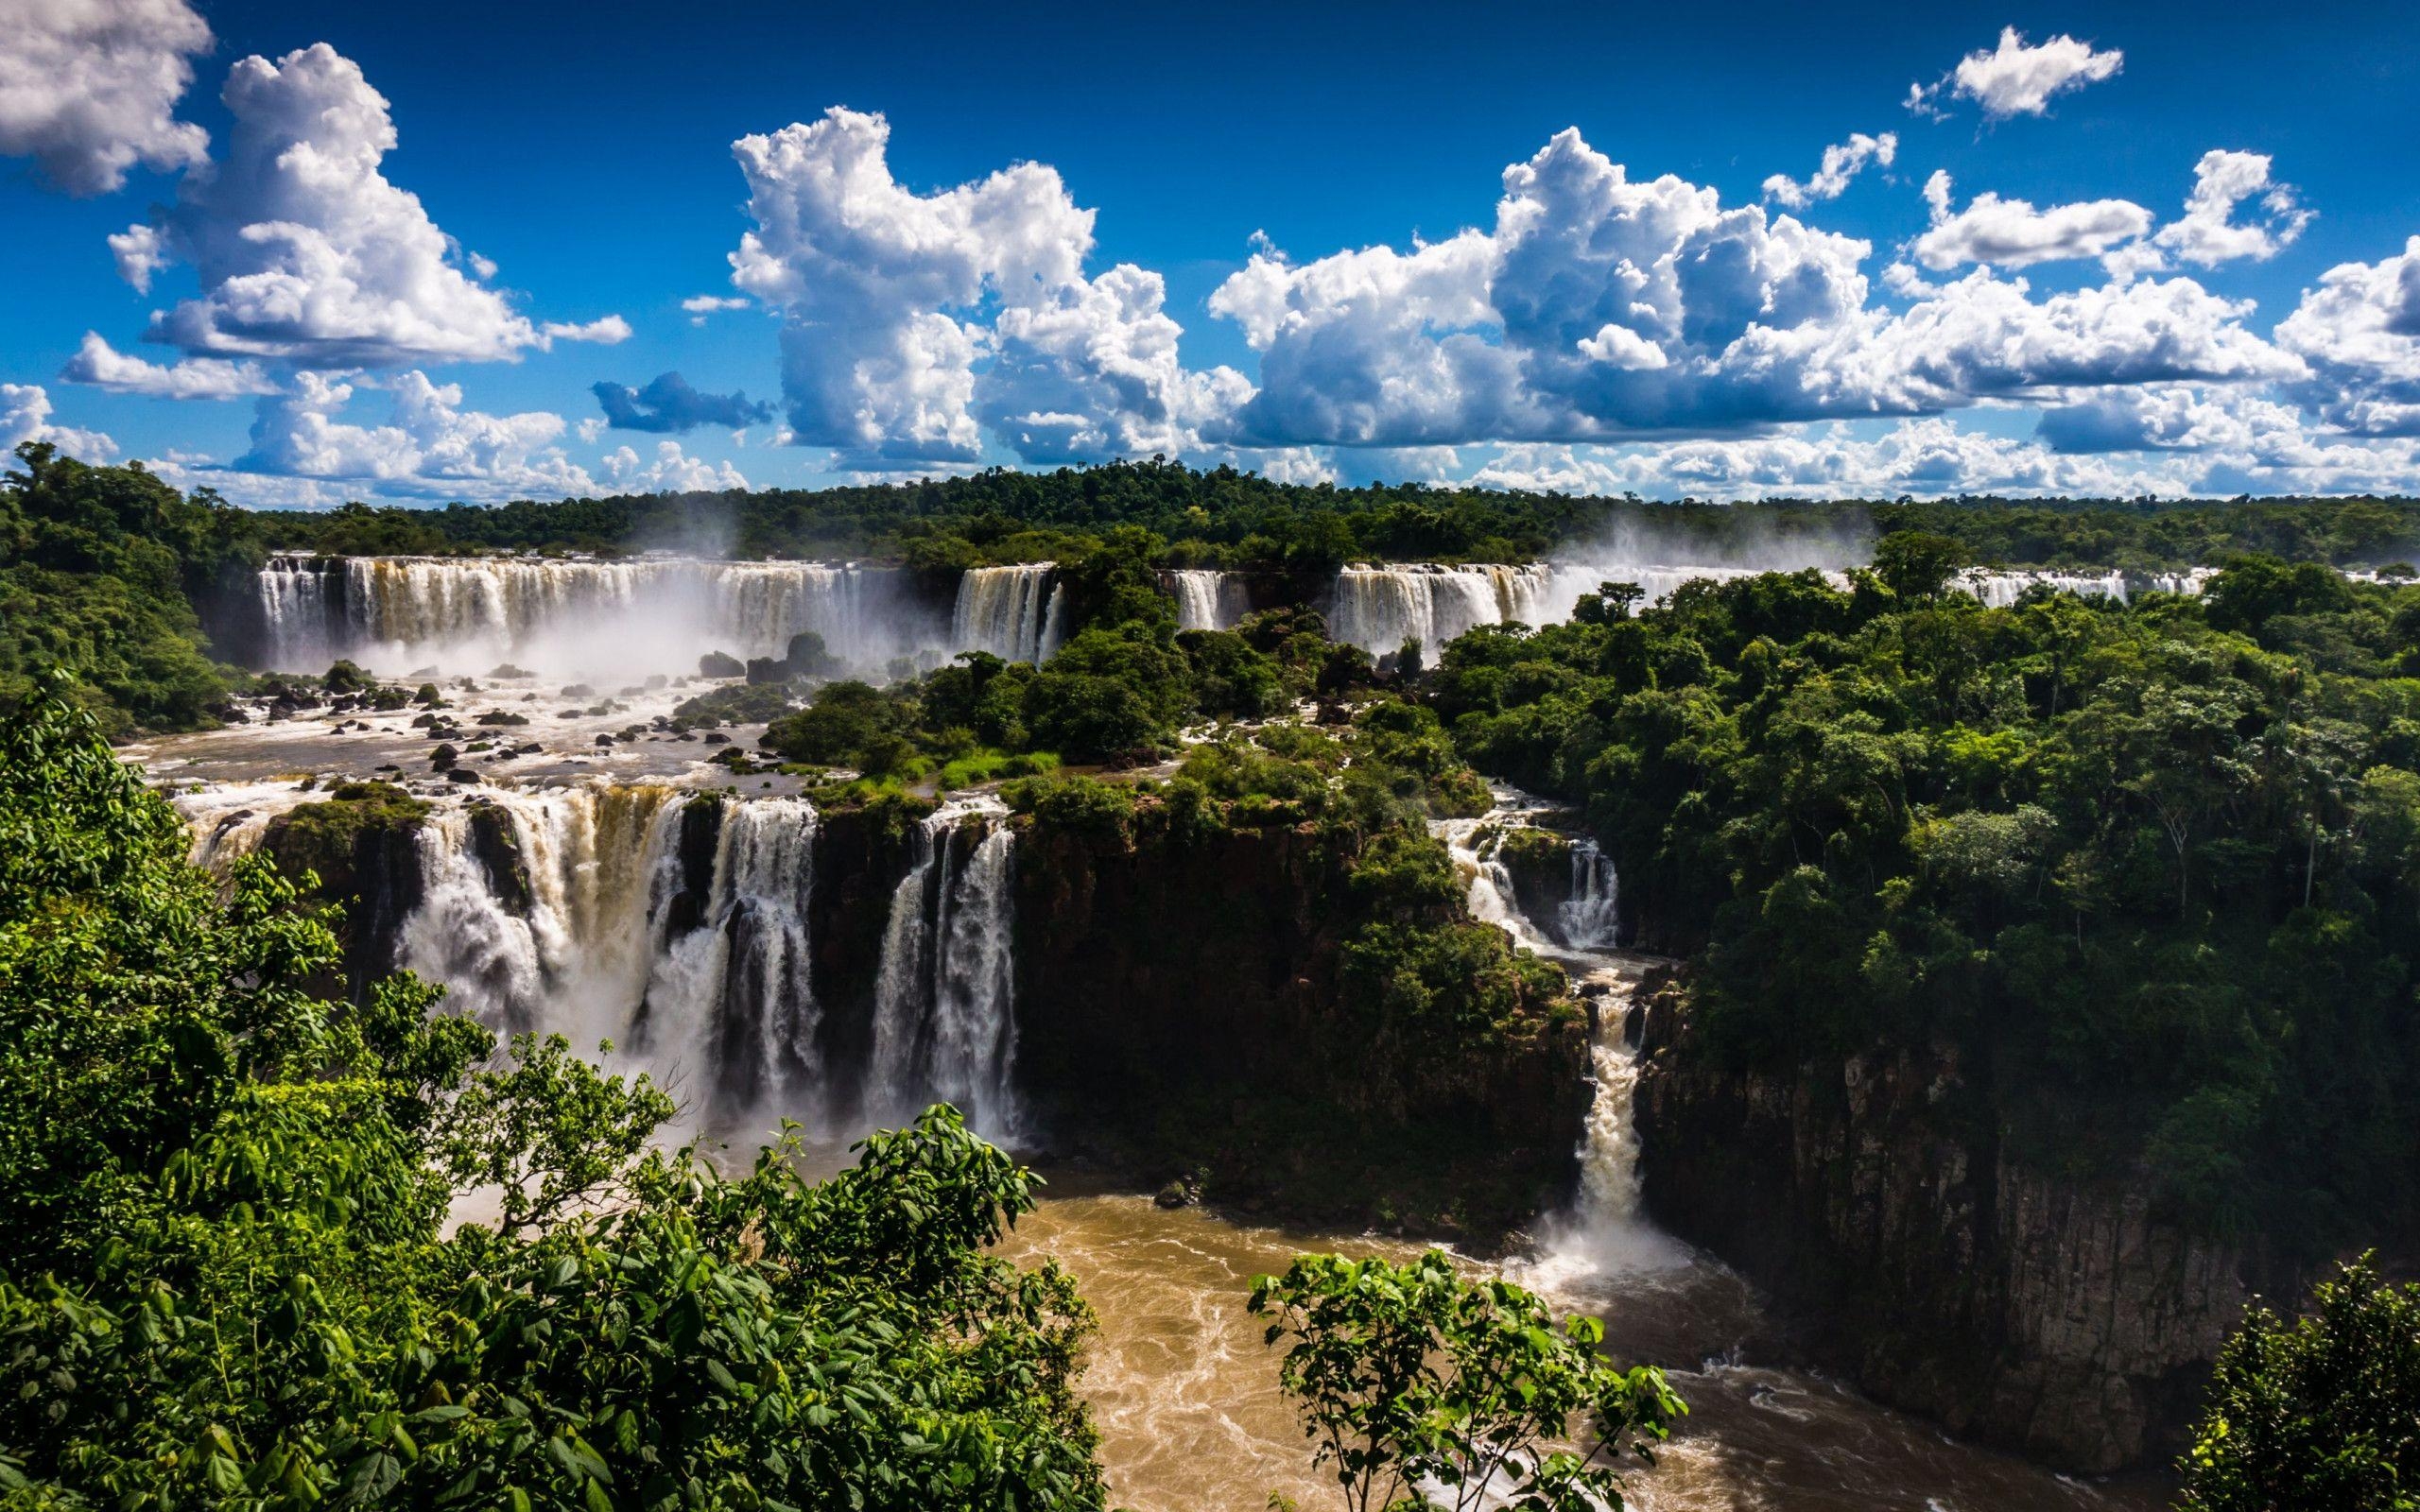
[1180, 1012]
[2056, 1319]
[363, 844]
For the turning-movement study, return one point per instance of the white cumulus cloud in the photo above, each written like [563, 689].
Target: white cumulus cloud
[2013, 233]
[24, 416]
[89, 88]
[2359, 332]
[307, 253]
[2209, 234]
[104, 367]
[2019, 78]
[1601, 308]
[430, 445]
[882, 291]
[670, 470]
[1842, 162]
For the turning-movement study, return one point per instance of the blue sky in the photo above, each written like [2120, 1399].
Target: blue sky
[1182, 264]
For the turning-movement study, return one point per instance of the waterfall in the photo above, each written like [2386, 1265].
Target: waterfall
[944, 1027]
[567, 618]
[565, 937]
[1378, 608]
[1590, 918]
[1999, 590]
[1604, 1229]
[1013, 613]
[1208, 600]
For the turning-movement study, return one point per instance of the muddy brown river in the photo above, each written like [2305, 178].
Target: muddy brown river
[1190, 1416]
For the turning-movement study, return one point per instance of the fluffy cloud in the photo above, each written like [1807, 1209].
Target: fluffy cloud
[1841, 163]
[2359, 333]
[2175, 418]
[101, 366]
[1603, 309]
[879, 286]
[607, 331]
[2208, 234]
[670, 470]
[669, 403]
[430, 446]
[1597, 305]
[24, 416]
[89, 88]
[2018, 79]
[1931, 457]
[1092, 372]
[2012, 233]
[1985, 338]
[307, 253]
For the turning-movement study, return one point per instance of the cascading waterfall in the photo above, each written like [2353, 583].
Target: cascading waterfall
[650, 614]
[943, 1023]
[562, 931]
[1015, 614]
[1605, 1226]
[738, 987]
[1378, 608]
[1999, 590]
[1591, 917]
[1207, 599]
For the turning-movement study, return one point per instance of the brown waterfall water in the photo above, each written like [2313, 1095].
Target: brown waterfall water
[1190, 1417]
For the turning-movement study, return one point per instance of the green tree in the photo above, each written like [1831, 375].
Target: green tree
[1423, 1389]
[2317, 1415]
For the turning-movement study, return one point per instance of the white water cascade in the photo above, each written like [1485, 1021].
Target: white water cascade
[944, 1027]
[1378, 608]
[1016, 613]
[1605, 1229]
[1207, 599]
[566, 618]
[677, 926]
[1591, 917]
[1999, 590]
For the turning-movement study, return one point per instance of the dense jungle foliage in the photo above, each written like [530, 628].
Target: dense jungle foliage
[229, 1281]
[97, 570]
[2154, 869]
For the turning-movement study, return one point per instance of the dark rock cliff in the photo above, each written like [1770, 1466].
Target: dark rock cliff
[1179, 1013]
[2062, 1319]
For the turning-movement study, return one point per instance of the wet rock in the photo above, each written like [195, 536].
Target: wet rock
[718, 665]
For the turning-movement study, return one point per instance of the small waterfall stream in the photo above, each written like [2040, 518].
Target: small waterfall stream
[1605, 1227]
